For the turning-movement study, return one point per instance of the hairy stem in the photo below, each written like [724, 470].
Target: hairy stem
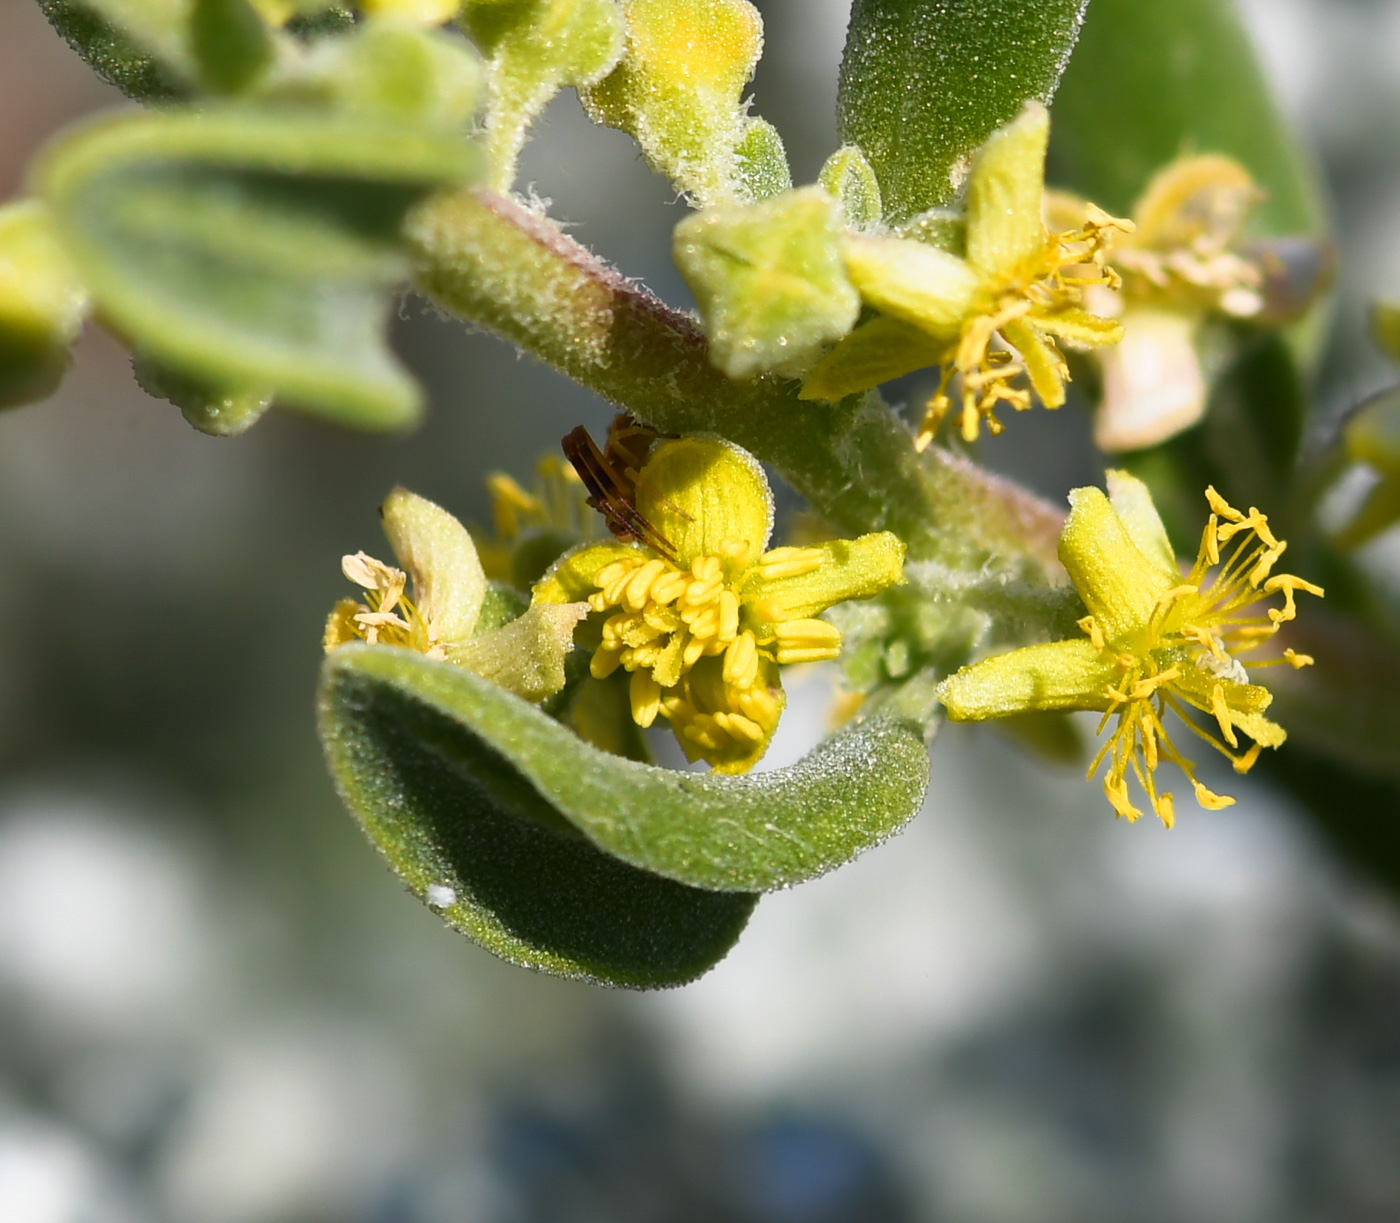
[485, 258]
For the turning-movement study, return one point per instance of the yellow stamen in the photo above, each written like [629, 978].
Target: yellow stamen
[645, 696]
[1210, 800]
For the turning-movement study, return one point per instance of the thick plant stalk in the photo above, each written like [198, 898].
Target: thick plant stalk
[486, 259]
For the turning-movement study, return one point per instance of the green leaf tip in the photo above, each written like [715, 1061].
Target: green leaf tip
[116, 53]
[534, 48]
[924, 83]
[752, 833]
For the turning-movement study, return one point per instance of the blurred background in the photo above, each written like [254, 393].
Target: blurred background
[218, 1006]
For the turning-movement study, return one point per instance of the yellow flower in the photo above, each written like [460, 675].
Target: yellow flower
[1185, 260]
[703, 632]
[990, 314]
[1154, 640]
[444, 616]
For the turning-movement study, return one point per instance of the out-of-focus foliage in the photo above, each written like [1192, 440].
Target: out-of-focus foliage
[252, 249]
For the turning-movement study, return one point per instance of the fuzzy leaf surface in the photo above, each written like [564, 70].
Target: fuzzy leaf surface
[727, 834]
[925, 82]
[118, 54]
[461, 825]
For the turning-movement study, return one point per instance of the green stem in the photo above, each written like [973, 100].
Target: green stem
[487, 259]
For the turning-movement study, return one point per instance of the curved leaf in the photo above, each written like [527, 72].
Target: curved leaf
[925, 82]
[744, 834]
[252, 247]
[463, 829]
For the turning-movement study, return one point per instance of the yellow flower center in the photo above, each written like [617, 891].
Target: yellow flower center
[1188, 656]
[667, 619]
[1043, 296]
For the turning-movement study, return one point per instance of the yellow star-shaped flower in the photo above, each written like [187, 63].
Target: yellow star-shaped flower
[1154, 639]
[989, 315]
[703, 631]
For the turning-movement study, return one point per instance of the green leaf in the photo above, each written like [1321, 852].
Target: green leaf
[387, 69]
[747, 834]
[1372, 433]
[462, 825]
[848, 176]
[115, 53]
[763, 170]
[1372, 436]
[678, 91]
[1153, 77]
[253, 248]
[925, 82]
[217, 411]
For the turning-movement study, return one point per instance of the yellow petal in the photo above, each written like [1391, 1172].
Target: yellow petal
[873, 353]
[1004, 193]
[700, 493]
[1044, 365]
[1068, 674]
[1063, 211]
[573, 577]
[1203, 196]
[1241, 700]
[1132, 502]
[913, 281]
[437, 550]
[848, 569]
[340, 626]
[1078, 327]
[420, 12]
[1119, 585]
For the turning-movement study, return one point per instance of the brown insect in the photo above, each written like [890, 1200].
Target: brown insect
[610, 475]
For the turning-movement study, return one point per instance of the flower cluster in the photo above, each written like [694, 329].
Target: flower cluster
[703, 633]
[1154, 639]
[986, 315]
